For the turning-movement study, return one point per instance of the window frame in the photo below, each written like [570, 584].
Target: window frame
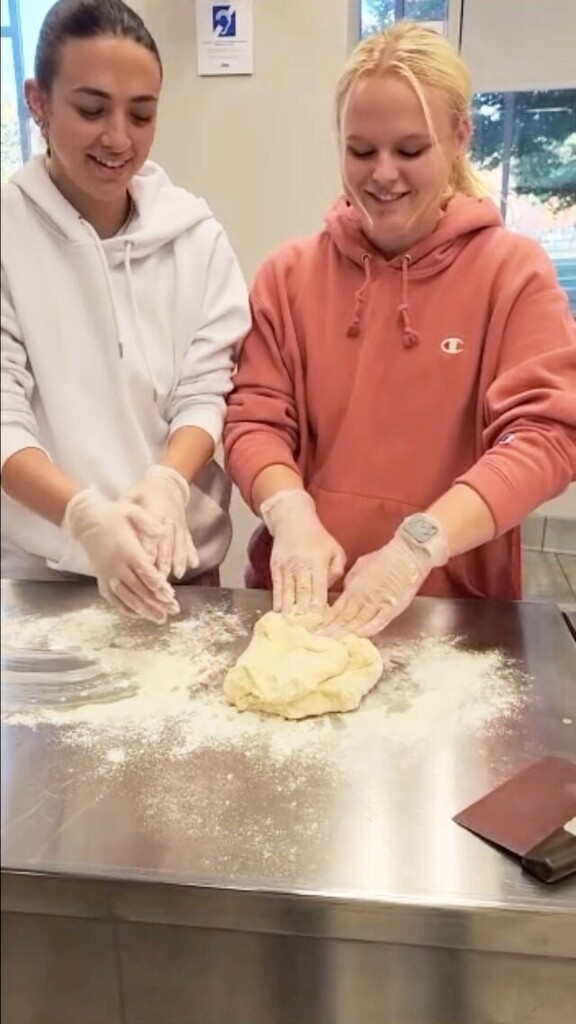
[13, 32]
[452, 22]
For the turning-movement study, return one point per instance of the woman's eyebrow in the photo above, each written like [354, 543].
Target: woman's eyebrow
[100, 94]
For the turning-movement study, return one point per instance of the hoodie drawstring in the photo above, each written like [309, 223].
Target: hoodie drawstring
[104, 264]
[136, 312]
[355, 327]
[410, 336]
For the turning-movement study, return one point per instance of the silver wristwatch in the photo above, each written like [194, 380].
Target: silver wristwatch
[423, 531]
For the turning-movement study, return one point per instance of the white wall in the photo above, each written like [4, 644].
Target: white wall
[261, 148]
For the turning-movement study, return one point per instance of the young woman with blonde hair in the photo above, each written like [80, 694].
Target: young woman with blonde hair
[407, 394]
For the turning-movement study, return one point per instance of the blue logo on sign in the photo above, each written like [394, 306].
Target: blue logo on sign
[224, 21]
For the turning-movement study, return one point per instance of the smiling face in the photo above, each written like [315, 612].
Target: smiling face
[396, 164]
[100, 119]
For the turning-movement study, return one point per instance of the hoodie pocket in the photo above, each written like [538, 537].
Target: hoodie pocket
[362, 524]
[359, 523]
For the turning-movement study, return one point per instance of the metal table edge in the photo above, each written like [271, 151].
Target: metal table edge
[531, 928]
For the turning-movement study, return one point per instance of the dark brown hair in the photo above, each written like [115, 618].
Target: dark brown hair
[84, 19]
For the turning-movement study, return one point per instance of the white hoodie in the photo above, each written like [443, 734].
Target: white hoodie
[108, 346]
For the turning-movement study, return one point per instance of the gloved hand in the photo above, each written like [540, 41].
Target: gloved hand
[379, 587]
[108, 531]
[305, 558]
[165, 494]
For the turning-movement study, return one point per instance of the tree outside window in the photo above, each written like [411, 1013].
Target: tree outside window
[378, 14]
[524, 144]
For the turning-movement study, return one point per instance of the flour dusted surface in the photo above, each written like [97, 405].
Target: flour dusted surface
[428, 686]
[240, 795]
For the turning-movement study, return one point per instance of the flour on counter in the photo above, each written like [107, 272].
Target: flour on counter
[429, 686]
[97, 628]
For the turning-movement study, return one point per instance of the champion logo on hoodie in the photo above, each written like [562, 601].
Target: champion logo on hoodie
[453, 346]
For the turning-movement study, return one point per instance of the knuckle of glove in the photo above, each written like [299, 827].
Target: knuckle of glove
[306, 562]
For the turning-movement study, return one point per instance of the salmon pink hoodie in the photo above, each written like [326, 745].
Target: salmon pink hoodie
[384, 382]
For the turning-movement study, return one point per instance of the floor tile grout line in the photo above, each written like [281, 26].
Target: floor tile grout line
[566, 576]
[544, 526]
[562, 570]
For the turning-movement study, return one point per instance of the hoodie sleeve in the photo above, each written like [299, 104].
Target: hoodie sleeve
[198, 400]
[19, 427]
[262, 420]
[530, 405]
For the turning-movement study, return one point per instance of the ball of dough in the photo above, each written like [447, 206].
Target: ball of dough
[289, 670]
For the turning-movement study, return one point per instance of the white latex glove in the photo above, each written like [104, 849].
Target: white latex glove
[379, 587]
[165, 494]
[109, 533]
[305, 560]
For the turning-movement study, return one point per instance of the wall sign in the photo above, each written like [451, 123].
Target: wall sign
[224, 37]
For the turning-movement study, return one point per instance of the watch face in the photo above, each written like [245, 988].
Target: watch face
[421, 529]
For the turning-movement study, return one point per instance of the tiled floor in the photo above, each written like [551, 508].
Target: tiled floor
[552, 576]
[550, 559]
[542, 533]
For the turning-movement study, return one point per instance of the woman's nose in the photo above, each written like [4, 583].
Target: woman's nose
[115, 135]
[386, 169]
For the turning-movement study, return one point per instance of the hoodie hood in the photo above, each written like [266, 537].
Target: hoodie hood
[163, 210]
[464, 215]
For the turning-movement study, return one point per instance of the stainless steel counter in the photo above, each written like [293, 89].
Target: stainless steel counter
[289, 892]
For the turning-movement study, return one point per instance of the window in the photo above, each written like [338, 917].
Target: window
[524, 144]
[21, 20]
[377, 14]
